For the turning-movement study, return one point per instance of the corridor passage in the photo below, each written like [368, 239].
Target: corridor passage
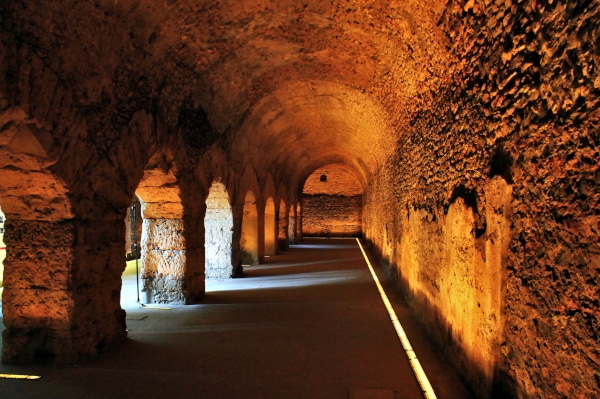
[308, 323]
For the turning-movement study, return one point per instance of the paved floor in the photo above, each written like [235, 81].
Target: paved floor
[308, 323]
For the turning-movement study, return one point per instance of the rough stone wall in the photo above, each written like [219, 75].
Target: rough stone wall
[292, 224]
[163, 260]
[520, 105]
[271, 228]
[453, 273]
[339, 179]
[218, 225]
[249, 236]
[331, 215]
[283, 221]
[332, 202]
[47, 322]
[2, 245]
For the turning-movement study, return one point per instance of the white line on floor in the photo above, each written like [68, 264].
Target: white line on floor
[410, 353]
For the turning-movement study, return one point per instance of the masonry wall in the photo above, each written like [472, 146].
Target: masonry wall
[332, 203]
[487, 215]
[331, 215]
[2, 245]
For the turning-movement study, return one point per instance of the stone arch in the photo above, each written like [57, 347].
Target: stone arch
[332, 202]
[218, 225]
[249, 237]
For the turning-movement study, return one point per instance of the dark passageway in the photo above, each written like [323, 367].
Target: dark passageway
[306, 324]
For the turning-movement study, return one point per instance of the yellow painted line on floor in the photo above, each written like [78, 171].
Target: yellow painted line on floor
[20, 376]
[410, 353]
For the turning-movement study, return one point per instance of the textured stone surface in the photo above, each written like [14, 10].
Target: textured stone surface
[332, 202]
[45, 320]
[163, 259]
[270, 228]
[522, 104]
[471, 127]
[283, 223]
[249, 235]
[218, 225]
[456, 279]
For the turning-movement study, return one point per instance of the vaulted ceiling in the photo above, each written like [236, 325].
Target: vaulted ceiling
[285, 85]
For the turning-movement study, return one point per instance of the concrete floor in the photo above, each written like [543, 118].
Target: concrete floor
[308, 323]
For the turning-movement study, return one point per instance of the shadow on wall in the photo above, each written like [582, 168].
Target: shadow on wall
[449, 263]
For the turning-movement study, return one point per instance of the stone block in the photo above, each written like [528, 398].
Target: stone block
[166, 234]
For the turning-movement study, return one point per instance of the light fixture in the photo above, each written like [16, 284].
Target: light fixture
[408, 349]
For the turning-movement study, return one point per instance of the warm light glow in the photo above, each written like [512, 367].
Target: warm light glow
[410, 353]
[249, 238]
[271, 228]
[20, 376]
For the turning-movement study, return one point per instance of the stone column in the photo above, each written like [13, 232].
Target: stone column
[270, 226]
[218, 225]
[194, 284]
[164, 254]
[236, 235]
[249, 237]
[283, 241]
[260, 208]
[292, 225]
[62, 290]
[299, 235]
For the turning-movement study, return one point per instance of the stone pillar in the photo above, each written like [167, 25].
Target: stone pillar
[292, 225]
[282, 220]
[236, 236]
[194, 285]
[62, 289]
[218, 224]
[299, 235]
[261, 230]
[249, 239]
[270, 226]
[172, 247]
[163, 258]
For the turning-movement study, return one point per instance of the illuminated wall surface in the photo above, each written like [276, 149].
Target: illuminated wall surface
[470, 128]
[332, 203]
[218, 224]
[2, 245]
